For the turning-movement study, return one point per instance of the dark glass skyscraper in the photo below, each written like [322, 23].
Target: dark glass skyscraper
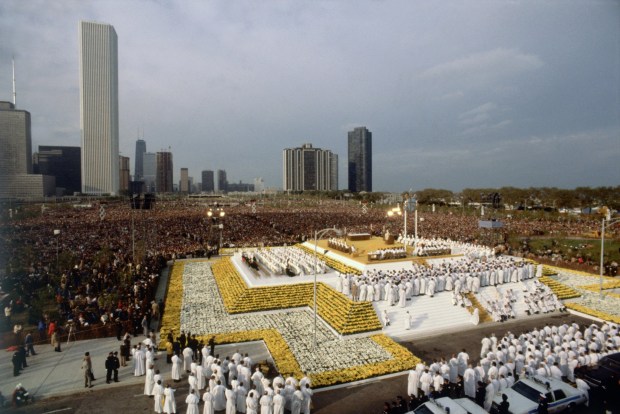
[64, 163]
[138, 172]
[360, 160]
[208, 184]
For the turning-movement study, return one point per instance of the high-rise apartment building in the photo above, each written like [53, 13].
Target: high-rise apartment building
[99, 108]
[360, 160]
[138, 171]
[208, 183]
[62, 162]
[222, 181]
[309, 169]
[184, 184]
[164, 172]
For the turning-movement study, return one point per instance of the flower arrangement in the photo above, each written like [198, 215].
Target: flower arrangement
[194, 303]
[344, 315]
[561, 290]
[589, 311]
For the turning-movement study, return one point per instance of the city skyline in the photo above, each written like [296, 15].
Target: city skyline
[486, 94]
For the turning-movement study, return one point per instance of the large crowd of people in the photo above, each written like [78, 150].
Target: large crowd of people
[552, 352]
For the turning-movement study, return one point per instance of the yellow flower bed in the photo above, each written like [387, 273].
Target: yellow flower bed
[561, 290]
[284, 359]
[482, 312]
[592, 312]
[174, 300]
[341, 313]
[402, 360]
[549, 270]
[611, 283]
[334, 264]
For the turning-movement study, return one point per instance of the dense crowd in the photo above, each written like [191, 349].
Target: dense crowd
[100, 270]
[551, 352]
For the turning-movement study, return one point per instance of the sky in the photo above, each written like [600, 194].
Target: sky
[457, 94]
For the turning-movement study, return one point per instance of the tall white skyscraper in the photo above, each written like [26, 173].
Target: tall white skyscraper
[99, 108]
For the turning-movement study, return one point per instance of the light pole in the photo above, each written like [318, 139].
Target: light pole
[609, 221]
[317, 235]
[57, 234]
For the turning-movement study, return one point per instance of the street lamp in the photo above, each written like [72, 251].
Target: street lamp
[57, 234]
[219, 214]
[317, 235]
[607, 219]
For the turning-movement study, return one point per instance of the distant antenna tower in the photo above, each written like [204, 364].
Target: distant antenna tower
[14, 91]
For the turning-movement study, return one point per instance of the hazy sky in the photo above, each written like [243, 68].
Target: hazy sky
[456, 93]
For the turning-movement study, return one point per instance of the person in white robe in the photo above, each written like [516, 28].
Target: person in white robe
[475, 317]
[193, 383]
[158, 395]
[408, 321]
[265, 403]
[278, 402]
[170, 405]
[463, 358]
[386, 318]
[231, 400]
[402, 296]
[469, 382]
[176, 373]
[257, 380]
[192, 401]
[207, 397]
[425, 382]
[241, 393]
[148, 381]
[307, 402]
[454, 369]
[156, 377]
[297, 401]
[488, 396]
[219, 397]
[200, 377]
[251, 403]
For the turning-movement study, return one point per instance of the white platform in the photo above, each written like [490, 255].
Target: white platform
[431, 315]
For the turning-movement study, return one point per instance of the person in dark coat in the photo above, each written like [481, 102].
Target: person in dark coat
[16, 364]
[109, 367]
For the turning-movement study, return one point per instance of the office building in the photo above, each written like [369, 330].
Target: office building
[208, 183]
[360, 160]
[63, 163]
[239, 187]
[138, 171]
[184, 185]
[309, 169]
[163, 180]
[16, 178]
[222, 182]
[99, 108]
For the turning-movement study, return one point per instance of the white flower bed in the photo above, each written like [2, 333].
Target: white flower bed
[203, 313]
[609, 304]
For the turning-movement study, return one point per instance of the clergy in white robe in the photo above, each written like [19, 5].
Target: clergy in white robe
[402, 296]
[192, 401]
[176, 372]
[158, 395]
[219, 397]
[148, 381]
[170, 405]
[231, 400]
[241, 393]
[425, 382]
[251, 403]
[408, 321]
[278, 402]
[265, 403]
[488, 396]
[200, 378]
[193, 383]
[413, 381]
[188, 354]
[208, 400]
[469, 382]
[297, 401]
[307, 402]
